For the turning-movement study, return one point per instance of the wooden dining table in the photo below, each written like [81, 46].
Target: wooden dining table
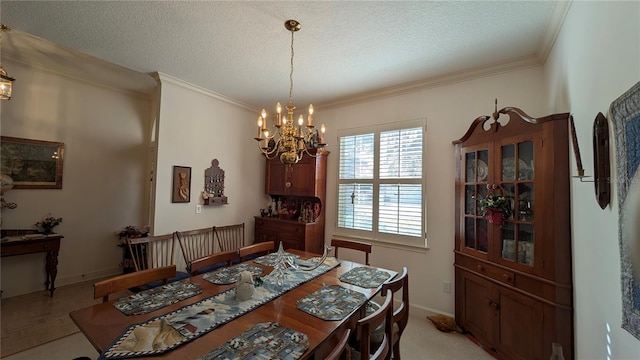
[102, 324]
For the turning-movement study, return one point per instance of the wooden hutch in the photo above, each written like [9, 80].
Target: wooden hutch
[304, 185]
[513, 289]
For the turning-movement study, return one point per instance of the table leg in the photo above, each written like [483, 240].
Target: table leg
[51, 270]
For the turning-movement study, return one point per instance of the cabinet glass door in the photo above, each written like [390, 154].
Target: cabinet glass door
[517, 183]
[476, 175]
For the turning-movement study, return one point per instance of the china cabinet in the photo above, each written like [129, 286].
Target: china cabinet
[513, 279]
[302, 187]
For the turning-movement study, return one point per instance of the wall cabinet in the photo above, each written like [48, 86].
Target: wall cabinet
[513, 280]
[303, 184]
[307, 178]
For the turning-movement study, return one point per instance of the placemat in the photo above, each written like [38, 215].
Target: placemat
[156, 298]
[229, 275]
[270, 259]
[267, 340]
[331, 302]
[365, 277]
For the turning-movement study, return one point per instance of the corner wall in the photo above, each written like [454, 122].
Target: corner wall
[195, 127]
[105, 133]
[449, 110]
[595, 59]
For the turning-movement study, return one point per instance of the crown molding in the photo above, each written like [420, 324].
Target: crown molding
[436, 81]
[554, 25]
[161, 77]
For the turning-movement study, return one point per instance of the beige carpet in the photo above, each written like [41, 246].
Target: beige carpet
[34, 319]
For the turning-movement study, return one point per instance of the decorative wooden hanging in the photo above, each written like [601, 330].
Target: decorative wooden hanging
[213, 193]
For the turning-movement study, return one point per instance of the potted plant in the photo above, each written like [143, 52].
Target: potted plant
[47, 224]
[495, 208]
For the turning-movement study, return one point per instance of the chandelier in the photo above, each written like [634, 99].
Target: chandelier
[288, 140]
[5, 80]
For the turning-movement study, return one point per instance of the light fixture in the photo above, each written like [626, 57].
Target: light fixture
[5, 80]
[288, 141]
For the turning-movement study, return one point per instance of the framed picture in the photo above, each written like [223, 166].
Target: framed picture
[181, 192]
[32, 164]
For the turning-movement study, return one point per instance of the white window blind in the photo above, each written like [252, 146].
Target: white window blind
[380, 183]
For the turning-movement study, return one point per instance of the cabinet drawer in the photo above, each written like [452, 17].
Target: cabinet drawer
[494, 272]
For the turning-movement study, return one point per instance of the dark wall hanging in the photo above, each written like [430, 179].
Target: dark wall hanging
[601, 163]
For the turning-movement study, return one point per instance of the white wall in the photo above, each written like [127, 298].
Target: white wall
[196, 127]
[449, 111]
[105, 132]
[595, 59]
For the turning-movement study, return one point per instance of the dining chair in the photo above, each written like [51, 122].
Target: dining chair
[366, 326]
[341, 350]
[230, 237]
[401, 313]
[153, 252]
[196, 243]
[254, 250]
[212, 262]
[104, 288]
[353, 245]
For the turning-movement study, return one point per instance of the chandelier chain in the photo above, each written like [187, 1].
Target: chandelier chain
[291, 73]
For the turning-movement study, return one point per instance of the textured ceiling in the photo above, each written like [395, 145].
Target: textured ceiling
[240, 49]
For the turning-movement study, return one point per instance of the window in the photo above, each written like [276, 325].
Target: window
[380, 183]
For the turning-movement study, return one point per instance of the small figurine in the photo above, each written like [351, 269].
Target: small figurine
[244, 286]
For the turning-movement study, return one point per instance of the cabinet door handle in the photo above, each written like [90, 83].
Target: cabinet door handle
[288, 184]
[506, 277]
[494, 305]
[480, 268]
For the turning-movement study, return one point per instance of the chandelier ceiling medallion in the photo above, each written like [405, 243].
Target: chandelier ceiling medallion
[6, 81]
[288, 141]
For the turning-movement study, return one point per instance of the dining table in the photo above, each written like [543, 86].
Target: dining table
[103, 324]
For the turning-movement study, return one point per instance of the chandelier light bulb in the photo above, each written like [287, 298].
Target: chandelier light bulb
[300, 120]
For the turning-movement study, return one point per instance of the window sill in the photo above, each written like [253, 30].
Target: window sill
[385, 244]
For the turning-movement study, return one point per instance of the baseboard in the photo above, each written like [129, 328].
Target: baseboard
[95, 275]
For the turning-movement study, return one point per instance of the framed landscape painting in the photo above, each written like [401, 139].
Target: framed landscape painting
[32, 164]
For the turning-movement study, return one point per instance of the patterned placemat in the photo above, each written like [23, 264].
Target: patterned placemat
[156, 298]
[270, 259]
[331, 302]
[365, 277]
[267, 340]
[229, 275]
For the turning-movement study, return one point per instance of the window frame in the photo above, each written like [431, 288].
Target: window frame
[375, 235]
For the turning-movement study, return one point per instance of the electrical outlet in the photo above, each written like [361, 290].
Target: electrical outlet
[446, 287]
[198, 209]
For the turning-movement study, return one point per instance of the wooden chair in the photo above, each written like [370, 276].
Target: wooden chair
[353, 245]
[212, 262]
[151, 252]
[196, 244]
[230, 237]
[341, 350]
[253, 250]
[103, 288]
[400, 314]
[367, 325]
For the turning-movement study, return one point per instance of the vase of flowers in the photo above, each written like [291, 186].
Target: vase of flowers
[495, 208]
[48, 223]
[131, 232]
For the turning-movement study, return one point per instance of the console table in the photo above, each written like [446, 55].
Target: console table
[20, 242]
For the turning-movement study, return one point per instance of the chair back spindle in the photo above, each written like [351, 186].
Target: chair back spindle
[230, 237]
[196, 243]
